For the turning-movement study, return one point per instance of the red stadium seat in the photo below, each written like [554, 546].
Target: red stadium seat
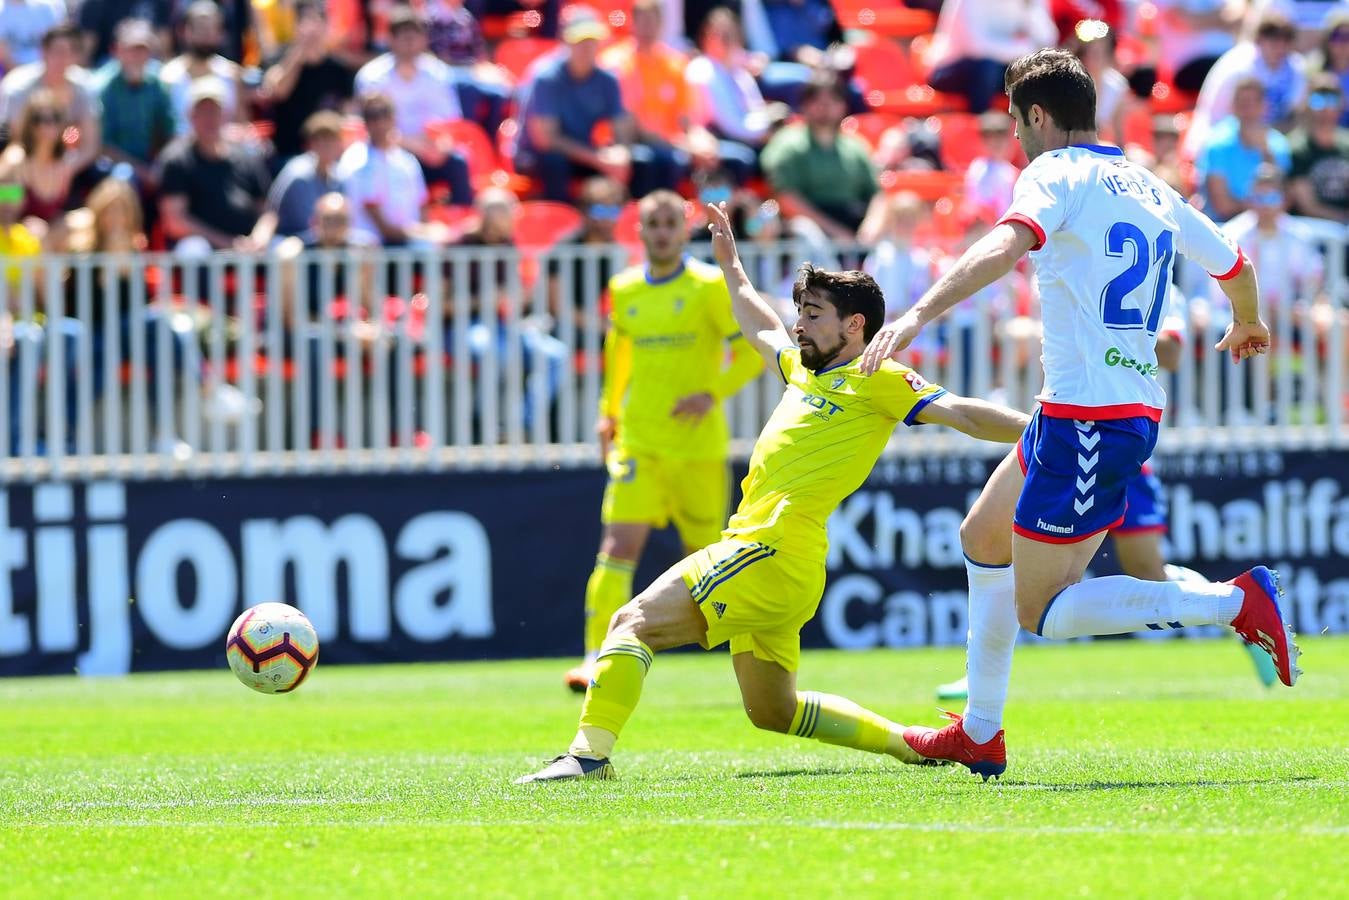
[471, 140]
[883, 65]
[539, 224]
[515, 55]
[926, 184]
[884, 17]
[869, 126]
[915, 100]
[960, 140]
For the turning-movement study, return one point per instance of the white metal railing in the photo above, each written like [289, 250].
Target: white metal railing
[150, 366]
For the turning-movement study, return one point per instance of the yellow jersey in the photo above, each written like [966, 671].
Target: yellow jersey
[667, 340]
[16, 241]
[819, 446]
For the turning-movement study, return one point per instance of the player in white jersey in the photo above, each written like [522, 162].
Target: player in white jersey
[1103, 233]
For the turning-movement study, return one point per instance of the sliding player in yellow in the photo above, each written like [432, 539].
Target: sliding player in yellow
[662, 431]
[762, 581]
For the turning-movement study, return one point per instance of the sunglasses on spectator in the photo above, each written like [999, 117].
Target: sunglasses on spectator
[607, 212]
[11, 193]
[1339, 37]
[378, 114]
[1320, 100]
[48, 118]
[1268, 198]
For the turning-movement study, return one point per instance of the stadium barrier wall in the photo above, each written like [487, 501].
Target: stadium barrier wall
[400, 360]
[109, 576]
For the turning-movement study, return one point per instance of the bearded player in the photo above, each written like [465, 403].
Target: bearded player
[1103, 234]
[762, 580]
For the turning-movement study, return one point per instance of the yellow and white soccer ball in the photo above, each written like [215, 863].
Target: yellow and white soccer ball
[272, 648]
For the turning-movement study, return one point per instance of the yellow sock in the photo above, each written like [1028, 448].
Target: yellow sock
[615, 688]
[609, 587]
[837, 720]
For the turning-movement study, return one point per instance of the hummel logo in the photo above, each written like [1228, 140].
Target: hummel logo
[1084, 487]
[1088, 441]
[1082, 507]
[1267, 642]
[720, 608]
[1087, 463]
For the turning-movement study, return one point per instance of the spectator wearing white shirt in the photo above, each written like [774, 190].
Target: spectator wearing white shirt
[422, 90]
[22, 25]
[902, 267]
[1271, 61]
[203, 35]
[728, 101]
[975, 41]
[1282, 249]
[383, 181]
[990, 177]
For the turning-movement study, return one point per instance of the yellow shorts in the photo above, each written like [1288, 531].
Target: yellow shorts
[694, 494]
[755, 597]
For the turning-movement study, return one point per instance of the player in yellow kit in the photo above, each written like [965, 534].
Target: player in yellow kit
[758, 584]
[662, 432]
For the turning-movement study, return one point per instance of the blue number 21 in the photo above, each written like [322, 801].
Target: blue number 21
[1113, 310]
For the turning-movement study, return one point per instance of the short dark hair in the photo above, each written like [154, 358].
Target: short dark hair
[1275, 24]
[1056, 81]
[851, 293]
[67, 30]
[823, 82]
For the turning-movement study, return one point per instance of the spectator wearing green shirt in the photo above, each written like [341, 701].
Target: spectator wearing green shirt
[823, 178]
[137, 112]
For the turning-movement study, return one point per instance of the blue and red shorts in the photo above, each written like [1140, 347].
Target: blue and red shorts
[1146, 513]
[1077, 475]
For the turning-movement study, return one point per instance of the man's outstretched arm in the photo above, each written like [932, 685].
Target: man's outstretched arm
[758, 322]
[987, 260]
[985, 421]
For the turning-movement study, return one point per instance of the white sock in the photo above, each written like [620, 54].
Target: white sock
[1118, 604]
[988, 654]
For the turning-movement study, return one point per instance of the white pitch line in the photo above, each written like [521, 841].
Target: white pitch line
[822, 825]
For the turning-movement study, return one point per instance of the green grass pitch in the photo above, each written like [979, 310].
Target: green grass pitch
[1136, 770]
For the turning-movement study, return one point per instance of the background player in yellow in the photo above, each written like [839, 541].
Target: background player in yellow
[662, 431]
[763, 580]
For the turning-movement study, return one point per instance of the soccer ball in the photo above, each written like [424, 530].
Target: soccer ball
[272, 648]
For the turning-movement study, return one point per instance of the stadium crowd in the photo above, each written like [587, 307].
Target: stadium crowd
[273, 126]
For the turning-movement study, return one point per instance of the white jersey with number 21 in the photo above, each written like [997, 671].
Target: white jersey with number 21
[1107, 232]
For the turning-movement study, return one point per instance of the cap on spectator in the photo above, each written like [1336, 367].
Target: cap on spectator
[205, 89]
[583, 24]
[135, 33]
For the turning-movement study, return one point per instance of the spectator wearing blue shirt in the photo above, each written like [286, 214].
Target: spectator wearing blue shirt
[309, 176]
[563, 101]
[1237, 146]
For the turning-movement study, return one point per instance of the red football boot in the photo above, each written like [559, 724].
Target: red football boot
[952, 744]
[1261, 623]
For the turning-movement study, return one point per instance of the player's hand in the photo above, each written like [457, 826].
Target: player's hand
[723, 240]
[1245, 339]
[889, 341]
[694, 407]
[605, 429]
